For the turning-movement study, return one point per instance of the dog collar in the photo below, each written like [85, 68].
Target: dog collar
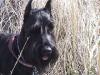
[10, 43]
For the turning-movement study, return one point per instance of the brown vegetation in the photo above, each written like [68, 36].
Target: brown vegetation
[76, 29]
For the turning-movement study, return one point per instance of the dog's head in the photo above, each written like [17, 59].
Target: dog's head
[38, 25]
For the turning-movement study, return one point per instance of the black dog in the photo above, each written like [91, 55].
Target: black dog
[36, 42]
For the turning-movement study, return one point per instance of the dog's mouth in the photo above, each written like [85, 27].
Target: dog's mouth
[45, 58]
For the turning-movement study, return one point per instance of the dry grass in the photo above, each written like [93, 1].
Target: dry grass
[76, 29]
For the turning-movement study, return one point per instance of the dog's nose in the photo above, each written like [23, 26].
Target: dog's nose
[48, 49]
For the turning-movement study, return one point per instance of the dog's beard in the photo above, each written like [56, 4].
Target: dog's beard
[41, 61]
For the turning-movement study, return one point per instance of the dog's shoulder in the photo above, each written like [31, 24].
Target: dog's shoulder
[4, 35]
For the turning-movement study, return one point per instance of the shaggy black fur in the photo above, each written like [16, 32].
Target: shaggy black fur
[40, 49]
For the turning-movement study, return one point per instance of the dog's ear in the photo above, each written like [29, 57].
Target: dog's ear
[27, 10]
[48, 6]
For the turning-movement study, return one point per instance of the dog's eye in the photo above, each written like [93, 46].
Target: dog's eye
[37, 30]
[50, 27]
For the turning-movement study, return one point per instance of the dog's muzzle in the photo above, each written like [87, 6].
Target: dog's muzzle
[46, 53]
